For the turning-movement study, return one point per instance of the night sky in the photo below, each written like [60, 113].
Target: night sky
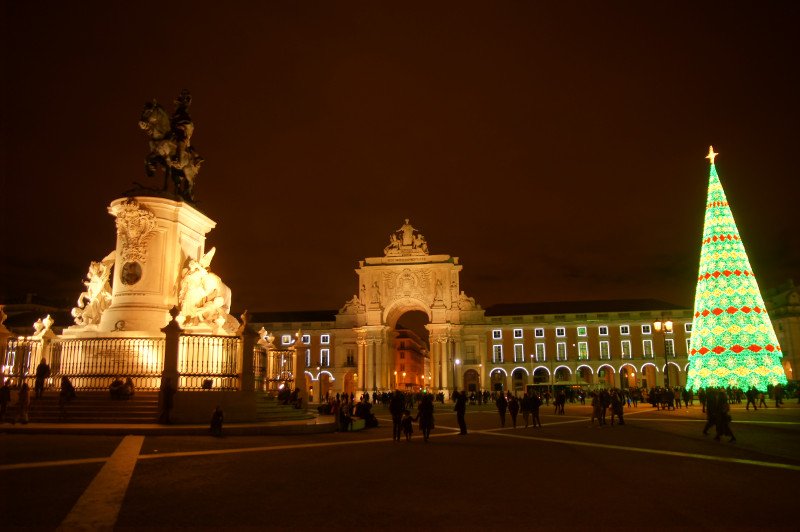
[558, 151]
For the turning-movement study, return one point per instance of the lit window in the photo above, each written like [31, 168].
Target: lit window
[540, 355]
[688, 345]
[561, 332]
[306, 339]
[603, 330]
[561, 351]
[669, 347]
[497, 334]
[605, 351]
[538, 333]
[687, 327]
[497, 353]
[647, 346]
[308, 357]
[517, 333]
[583, 351]
[325, 357]
[582, 330]
[626, 348]
[286, 339]
[647, 329]
[624, 329]
[519, 356]
[325, 339]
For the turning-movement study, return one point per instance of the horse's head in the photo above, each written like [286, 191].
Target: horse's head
[154, 119]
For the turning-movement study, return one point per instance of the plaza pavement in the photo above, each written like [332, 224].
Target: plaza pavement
[655, 472]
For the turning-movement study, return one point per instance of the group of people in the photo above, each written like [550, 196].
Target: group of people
[602, 401]
[65, 395]
[529, 405]
[120, 389]
[403, 423]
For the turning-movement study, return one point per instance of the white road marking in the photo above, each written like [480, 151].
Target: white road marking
[98, 507]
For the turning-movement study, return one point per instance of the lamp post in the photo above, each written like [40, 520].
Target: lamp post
[664, 327]
[404, 379]
[395, 379]
[531, 369]
[456, 362]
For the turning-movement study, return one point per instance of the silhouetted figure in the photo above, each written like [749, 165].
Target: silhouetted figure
[216, 421]
[166, 394]
[42, 374]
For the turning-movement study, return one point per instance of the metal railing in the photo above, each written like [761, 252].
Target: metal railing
[260, 367]
[20, 360]
[208, 362]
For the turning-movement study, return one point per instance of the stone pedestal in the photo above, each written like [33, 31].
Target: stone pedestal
[155, 236]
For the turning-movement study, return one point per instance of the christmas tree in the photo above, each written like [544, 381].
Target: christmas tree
[733, 342]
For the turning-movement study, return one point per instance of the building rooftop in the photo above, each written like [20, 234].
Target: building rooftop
[580, 307]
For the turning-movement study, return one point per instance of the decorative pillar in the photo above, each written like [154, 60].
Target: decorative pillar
[248, 339]
[361, 381]
[172, 345]
[155, 236]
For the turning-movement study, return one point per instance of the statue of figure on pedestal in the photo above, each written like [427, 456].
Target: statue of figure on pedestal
[375, 298]
[170, 145]
[406, 241]
[97, 296]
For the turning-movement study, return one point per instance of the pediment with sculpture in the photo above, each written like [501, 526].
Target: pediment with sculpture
[406, 241]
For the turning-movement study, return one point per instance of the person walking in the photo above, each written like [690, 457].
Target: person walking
[536, 402]
[617, 407]
[723, 417]
[461, 410]
[502, 405]
[217, 417]
[513, 409]
[751, 398]
[42, 374]
[711, 410]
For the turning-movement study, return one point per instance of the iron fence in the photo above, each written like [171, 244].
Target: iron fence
[208, 362]
[260, 367]
[20, 360]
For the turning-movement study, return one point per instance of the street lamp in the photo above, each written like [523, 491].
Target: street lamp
[395, 379]
[664, 327]
[456, 362]
[404, 379]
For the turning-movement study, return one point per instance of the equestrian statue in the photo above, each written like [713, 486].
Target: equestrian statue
[170, 145]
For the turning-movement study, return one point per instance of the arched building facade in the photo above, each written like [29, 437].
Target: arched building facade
[504, 347]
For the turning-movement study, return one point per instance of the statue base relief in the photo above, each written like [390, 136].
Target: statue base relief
[155, 238]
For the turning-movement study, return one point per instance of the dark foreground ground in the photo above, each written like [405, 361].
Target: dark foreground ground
[655, 472]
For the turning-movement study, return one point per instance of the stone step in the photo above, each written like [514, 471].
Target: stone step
[91, 407]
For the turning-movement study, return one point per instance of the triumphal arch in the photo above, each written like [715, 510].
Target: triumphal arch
[407, 278]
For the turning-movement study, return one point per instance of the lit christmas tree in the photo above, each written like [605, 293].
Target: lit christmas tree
[733, 342]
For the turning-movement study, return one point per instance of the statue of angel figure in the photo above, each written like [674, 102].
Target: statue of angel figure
[203, 297]
[93, 301]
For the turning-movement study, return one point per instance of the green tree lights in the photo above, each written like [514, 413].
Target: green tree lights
[733, 342]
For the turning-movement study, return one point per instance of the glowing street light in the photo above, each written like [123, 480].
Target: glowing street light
[664, 327]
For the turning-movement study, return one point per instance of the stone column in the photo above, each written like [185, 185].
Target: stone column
[362, 366]
[248, 339]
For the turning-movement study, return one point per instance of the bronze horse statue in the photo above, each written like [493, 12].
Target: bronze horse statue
[170, 145]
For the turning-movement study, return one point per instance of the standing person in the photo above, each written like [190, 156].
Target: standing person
[396, 406]
[42, 374]
[217, 417]
[596, 409]
[502, 405]
[23, 404]
[425, 416]
[407, 424]
[166, 393]
[526, 405]
[5, 398]
[513, 409]
[66, 395]
[536, 402]
[778, 392]
[711, 410]
[617, 406]
[461, 409]
[701, 395]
